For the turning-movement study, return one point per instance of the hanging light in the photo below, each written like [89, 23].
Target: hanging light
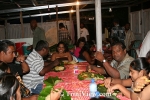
[72, 10]
[77, 3]
[110, 10]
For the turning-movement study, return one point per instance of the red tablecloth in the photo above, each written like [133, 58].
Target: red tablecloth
[79, 90]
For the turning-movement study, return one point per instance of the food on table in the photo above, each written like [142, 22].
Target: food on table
[89, 75]
[48, 97]
[59, 68]
[45, 94]
[65, 61]
[72, 62]
[102, 89]
[51, 81]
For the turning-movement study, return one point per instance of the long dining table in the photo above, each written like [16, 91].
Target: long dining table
[78, 90]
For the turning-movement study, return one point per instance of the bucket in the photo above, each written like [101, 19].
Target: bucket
[19, 48]
[25, 46]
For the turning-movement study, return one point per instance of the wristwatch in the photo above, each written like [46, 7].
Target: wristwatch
[103, 60]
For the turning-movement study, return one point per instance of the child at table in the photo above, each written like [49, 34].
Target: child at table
[138, 68]
[141, 89]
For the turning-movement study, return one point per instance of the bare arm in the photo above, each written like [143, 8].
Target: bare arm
[49, 67]
[24, 65]
[124, 82]
[53, 57]
[88, 58]
[100, 70]
[69, 57]
[121, 88]
[109, 69]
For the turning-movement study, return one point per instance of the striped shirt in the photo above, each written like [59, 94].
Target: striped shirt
[36, 64]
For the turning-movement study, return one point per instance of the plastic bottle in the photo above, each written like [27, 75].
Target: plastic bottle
[76, 70]
[93, 88]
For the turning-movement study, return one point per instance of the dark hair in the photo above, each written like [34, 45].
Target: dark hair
[148, 55]
[116, 21]
[61, 25]
[81, 39]
[4, 44]
[82, 24]
[140, 64]
[3, 66]
[120, 44]
[65, 46]
[87, 47]
[127, 23]
[8, 86]
[89, 44]
[41, 44]
[33, 20]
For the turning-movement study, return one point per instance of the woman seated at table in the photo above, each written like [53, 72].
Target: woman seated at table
[80, 43]
[62, 52]
[86, 53]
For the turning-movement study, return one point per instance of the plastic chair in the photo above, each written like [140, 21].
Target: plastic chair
[135, 46]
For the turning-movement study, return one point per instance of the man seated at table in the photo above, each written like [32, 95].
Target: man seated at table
[38, 68]
[7, 55]
[119, 67]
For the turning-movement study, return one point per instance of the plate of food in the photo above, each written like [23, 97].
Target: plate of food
[59, 68]
[89, 75]
[103, 90]
[45, 94]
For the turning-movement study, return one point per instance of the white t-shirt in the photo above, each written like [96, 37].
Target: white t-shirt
[145, 45]
[83, 33]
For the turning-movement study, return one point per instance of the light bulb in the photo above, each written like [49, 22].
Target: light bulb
[77, 2]
[110, 10]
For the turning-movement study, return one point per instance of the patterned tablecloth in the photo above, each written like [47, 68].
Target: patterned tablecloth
[79, 90]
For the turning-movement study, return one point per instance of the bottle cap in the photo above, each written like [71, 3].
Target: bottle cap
[92, 80]
[76, 67]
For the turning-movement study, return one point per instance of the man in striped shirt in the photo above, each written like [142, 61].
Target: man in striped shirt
[38, 68]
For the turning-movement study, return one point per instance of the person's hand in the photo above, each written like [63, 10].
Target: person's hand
[140, 83]
[56, 62]
[99, 56]
[112, 88]
[88, 68]
[29, 48]
[20, 58]
[107, 82]
[55, 95]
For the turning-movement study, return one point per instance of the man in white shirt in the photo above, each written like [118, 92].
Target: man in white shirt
[145, 45]
[129, 36]
[84, 32]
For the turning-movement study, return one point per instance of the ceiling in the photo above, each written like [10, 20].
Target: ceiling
[10, 9]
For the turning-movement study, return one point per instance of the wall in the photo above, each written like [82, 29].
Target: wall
[140, 23]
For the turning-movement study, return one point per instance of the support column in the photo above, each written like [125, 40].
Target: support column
[70, 17]
[6, 29]
[98, 24]
[78, 21]
[57, 23]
